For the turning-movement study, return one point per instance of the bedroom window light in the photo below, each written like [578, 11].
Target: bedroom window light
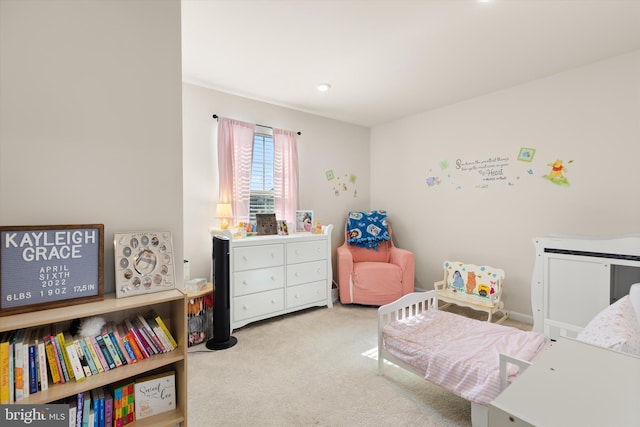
[261, 199]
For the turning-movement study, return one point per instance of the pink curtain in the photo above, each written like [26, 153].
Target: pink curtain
[285, 180]
[235, 151]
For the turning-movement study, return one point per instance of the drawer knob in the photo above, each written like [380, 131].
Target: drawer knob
[244, 282]
[273, 301]
[273, 278]
[244, 307]
[244, 258]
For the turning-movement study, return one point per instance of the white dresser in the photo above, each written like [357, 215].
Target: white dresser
[274, 275]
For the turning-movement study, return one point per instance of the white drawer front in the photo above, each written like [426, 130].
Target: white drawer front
[306, 251]
[255, 305]
[252, 281]
[306, 294]
[251, 257]
[307, 272]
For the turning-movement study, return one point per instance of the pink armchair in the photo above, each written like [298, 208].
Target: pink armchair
[374, 277]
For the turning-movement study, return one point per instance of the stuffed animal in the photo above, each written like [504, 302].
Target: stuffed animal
[87, 327]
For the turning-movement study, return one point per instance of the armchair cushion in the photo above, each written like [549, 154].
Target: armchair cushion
[383, 254]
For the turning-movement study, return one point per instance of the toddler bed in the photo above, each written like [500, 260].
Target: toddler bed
[462, 355]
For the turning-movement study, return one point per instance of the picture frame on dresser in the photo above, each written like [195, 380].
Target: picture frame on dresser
[304, 221]
[47, 266]
[266, 224]
[283, 228]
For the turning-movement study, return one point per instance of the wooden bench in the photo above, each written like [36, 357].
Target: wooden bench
[473, 286]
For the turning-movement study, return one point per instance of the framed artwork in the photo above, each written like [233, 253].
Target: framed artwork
[266, 224]
[283, 228]
[50, 266]
[144, 262]
[526, 154]
[304, 221]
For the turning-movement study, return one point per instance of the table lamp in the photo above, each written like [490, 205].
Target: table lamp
[224, 213]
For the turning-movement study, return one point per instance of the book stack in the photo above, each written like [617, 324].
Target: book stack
[123, 403]
[92, 408]
[33, 359]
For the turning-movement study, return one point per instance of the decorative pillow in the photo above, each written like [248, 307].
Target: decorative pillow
[616, 327]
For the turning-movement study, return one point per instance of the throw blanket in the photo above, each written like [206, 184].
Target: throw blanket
[367, 229]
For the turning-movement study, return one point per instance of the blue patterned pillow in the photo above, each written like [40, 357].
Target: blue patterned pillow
[367, 229]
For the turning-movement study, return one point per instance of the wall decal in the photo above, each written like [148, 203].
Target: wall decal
[526, 154]
[485, 171]
[556, 175]
[342, 183]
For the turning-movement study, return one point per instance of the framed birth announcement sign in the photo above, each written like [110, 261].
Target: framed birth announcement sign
[50, 266]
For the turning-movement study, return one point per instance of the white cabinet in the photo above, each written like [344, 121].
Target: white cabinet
[274, 275]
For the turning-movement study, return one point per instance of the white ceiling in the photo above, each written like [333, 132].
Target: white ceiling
[390, 59]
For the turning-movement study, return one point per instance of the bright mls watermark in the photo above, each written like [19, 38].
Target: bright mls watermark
[54, 415]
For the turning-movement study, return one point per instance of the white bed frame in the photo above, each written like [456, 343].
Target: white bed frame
[411, 305]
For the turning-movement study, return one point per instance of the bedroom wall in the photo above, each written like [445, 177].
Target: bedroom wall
[90, 117]
[325, 145]
[588, 117]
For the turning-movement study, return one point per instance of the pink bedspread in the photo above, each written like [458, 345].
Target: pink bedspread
[458, 353]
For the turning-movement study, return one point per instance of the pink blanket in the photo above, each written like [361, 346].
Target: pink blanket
[467, 362]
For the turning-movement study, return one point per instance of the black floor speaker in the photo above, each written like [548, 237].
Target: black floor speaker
[222, 338]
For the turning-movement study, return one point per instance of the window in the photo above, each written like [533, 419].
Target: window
[261, 199]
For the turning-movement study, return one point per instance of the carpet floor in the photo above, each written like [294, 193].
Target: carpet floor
[317, 367]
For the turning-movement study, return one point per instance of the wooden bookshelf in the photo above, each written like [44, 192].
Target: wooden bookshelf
[171, 305]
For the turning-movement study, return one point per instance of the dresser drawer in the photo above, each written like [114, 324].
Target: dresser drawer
[252, 281]
[306, 251]
[306, 294]
[298, 274]
[251, 257]
[255, 305]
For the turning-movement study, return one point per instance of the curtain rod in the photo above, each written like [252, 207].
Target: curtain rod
[215, 116]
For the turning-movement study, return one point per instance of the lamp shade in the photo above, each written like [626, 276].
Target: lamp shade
[223, 210]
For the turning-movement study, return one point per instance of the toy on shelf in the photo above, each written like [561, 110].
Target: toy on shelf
[318, 228]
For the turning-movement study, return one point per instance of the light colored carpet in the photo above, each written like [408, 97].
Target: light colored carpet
[317, 367]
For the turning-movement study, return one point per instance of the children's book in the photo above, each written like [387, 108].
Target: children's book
[155, 394]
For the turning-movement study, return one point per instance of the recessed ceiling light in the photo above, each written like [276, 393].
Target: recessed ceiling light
[323, 87]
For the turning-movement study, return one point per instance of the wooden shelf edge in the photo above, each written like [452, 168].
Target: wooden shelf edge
[61, 391]
[169, 418]
[109, 304]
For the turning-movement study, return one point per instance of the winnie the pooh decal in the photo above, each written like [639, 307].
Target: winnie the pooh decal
[556, 175]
